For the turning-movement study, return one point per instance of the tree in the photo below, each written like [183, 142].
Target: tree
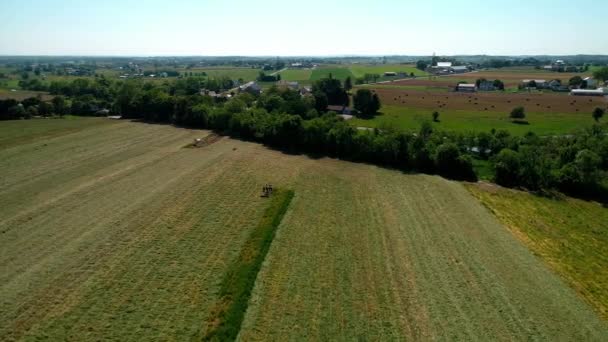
[365, 102]
[575, 81]
[348, 84]
[60, 106]
[601, 74]
[451, 164]
[421, 65]
[598, 113]
[436, 116]
[518, 113]
[498, 84]
[506, 168]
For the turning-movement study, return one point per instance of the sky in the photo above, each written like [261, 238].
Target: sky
[298, 28]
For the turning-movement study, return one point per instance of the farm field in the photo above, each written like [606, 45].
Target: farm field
[297, 75]
[511, 78]
[547, 113]
[113, 230]
[340, 73]
[567, 233]
[359, 70]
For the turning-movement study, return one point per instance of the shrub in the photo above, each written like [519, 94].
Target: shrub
[518, 113]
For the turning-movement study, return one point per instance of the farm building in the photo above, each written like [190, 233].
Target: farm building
[251, 87]
[441, 68]
[534, 83]
[459, 69]
[589, 92]
[390, 74]
[288, 85]
[486, 86]
[344, 110]
[466, 88]
[590, 82]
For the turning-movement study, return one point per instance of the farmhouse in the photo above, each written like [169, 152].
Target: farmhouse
[589, 92]
[534, 83]
[466, 88]
[486, 85]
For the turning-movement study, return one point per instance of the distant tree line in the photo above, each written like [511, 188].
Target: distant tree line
[576, 164]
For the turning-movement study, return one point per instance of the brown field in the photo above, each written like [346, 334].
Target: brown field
[510, 78]
[491, 101]
[21, 95]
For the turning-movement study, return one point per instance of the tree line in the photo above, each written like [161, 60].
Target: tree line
[282, 118]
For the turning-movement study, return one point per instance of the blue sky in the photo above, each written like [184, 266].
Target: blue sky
[313, 27]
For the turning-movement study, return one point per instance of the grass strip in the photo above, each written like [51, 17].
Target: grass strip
[225, 321]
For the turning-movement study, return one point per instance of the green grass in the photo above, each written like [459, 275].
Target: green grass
[247, 74]
[297, 75]
[225, 322]
[570, 235]
[361, 70]
[340, 73]
[409, 119]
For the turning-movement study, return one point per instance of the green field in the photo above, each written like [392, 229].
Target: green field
[297, 75]
[409, 119]
[360, 70]
[340, 73]
[570, 235]
[112, 230]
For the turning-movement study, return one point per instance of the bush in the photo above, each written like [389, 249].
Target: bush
[518, 113]
[451, 164]
[506, 168]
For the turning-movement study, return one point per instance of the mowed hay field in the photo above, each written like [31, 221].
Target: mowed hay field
[571, 235]
[546, 113]
[115, 231]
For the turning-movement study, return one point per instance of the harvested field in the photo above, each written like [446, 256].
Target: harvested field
[491, 101]
[510, 78]
[567, 233]
[117, 232]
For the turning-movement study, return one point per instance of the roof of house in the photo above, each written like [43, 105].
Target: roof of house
[460, 67]
[467, 85]
[588, 79]
[250, 85]
[537, 81]
[444, 64]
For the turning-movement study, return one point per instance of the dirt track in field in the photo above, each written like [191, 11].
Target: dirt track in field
[491, 101]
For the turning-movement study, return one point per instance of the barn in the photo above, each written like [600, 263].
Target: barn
[466, 88]
[589, 92]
